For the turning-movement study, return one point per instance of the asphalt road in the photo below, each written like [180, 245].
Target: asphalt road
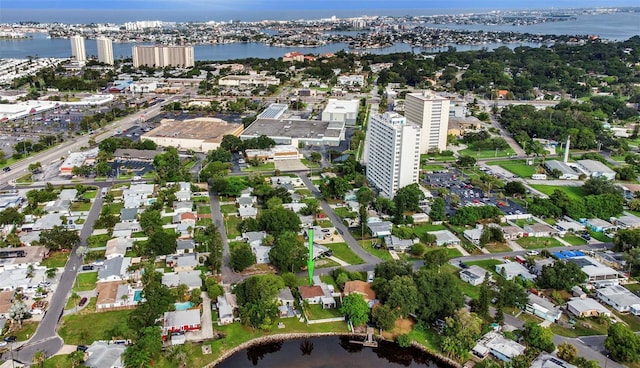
[46, 338]
[228, 275]
[337, 222]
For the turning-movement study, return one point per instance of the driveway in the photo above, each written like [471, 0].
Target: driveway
[228, 275]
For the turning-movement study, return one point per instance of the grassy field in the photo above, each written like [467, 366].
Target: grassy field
[90, 194]
[96, 241]
[574, 239]
[599, 236]
[345, 213]
[231, 225]
[487, 264]
[497, 247]
[269, 166]
[27, 330]
[228, 208]
[572, 192]
[55, 259]
[86, 281]
[433, 167]
[204, 209]
[383, 254]
[468, 289]
[315, 311]
[539, 242]
[451, 252]
[582, 327]
[78, 329]
[80, 206]
[518, 167]
[113, 208]
[342, 251]
[425, 228]
[485, 153]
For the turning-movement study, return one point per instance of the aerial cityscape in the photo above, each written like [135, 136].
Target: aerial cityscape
[243, 183]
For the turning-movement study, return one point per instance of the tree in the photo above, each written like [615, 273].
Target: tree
[437, 212]
[51, 272]
[256, 297]
[38, 358]
[449, 296]
[76, 358]
[19, 312]
[515, 188]
[178, 354]
[511, 294]
[600, 185]
[435, 258]
[75, 298]
[626, 239]
[623, 343]
[465, 161]
[278, 220]
[567, 352]
[561, 275]
[365, 196]
[418, 249]
[161, 243]
[460, 333]
[167, 166]
[289, 253]
[195, 296]
[151, 221]
[484, 299]
[384, 316]
[242, 257]
[355, 309]
[403, 295]
[315, 156]
[539, 337]
[35, 167]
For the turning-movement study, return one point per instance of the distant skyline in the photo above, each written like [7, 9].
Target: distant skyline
[118, 11]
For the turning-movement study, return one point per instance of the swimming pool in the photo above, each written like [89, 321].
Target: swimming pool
[137, 295]
[183, 306]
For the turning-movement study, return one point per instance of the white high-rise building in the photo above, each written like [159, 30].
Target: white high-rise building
[161, 56]
[431, 112]
[392, 152]
[105, 50]
[77, 48]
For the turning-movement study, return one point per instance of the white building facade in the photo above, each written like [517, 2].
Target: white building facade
[105, 50]
[161, 56]
[431, 112]
[393, 152]
[77, 48]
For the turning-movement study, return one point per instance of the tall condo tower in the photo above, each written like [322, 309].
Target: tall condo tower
[77, 48]
[393, 152]
[105, 50]
[161, 56]
[431, 112]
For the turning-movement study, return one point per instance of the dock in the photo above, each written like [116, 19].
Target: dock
[369, 341]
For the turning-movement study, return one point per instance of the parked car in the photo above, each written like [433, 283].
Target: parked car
[87, 268]
[10, 339]
[83, 301]
[532, 253]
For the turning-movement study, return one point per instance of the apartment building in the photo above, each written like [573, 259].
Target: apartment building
[431, 112]
[77, 48]
[392, 152]
[160, 56]
[105, 50]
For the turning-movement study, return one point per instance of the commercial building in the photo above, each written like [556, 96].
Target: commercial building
[392, 154]
[297, 131]
[200, 135]
[251, 80]
[596, 169]
[77, 48]
[345, 111]
[105, 50]
[563, 170]
[431, 112]
[160, 56]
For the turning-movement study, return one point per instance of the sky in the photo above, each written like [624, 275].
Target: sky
[183, 10]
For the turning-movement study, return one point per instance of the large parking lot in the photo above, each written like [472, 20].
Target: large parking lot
[457, 183]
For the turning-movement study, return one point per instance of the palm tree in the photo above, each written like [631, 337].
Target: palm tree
[75, 297]
[30, 271]
[77, 358]
[38, 358]
[51, 273]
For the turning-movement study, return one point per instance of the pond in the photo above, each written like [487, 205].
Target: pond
[332, 351]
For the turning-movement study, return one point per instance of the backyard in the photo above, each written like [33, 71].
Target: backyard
[80, 329]
[381, 253]
[55, 260]
[315, 311]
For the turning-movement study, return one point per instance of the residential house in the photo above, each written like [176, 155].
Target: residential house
[586, 307]
[225, 311]
[317, 294]
[539, 263]
[138, 195]
[620, 298]
[60, 206]
[21, 257]
[474, 275]
[6, 301]
[101, 354]
[180, 321]
[126, 229]
[496, 344]
[473, 235]
[10, 200]
[539, 230]
[399, 245]
[114, 295]
[182, 207]
[597, 274]
[184, 230]
[46, 222]
[380, 229]
[183, 262]
[285, 297]
[512, 232]
[445, 238]
[254, 238]
[185, 246]
[360, 287]
[190, 278]
[117, 247]
[247, 212]
[185, 218]
[246, 201]
[543, 308]
[115, 269]
[510, 270]
[628, 222]
[577, 292]
[599, 225]
[546, 360]
[68, 194]
[184, 191]
[129, 214]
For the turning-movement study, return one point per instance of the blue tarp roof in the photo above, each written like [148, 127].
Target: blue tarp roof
[568, 254]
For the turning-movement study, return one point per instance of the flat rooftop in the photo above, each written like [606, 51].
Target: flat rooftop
[294, 128]
[205, 129]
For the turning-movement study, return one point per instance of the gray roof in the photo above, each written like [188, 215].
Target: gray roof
[285, 294]
[190, 278]
[251, 236]
[560, 166]
[595, 166]
[246, 201]
[128, 214]
[185, 244]
[187, 260]
[103, 355]
[380, 226]
[114, 267]
[293, 128]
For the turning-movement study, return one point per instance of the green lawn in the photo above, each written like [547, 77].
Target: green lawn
[269, 166]
[204, 209]
[80, 206]
[343, 212]
[96, 241]
[572, 192]
[342, 251]
[325, 223]
[436, 157]
[599, 236]
[55, 259]
[433, 167]
[487, 264]
[467, 289]
[574, 239]
[84, 328]
[204, 222]
[228, 208]
[383, 254]
[86, 281]
[451, 252]
[26, 332]
[58, 361]
[113, 208]
[326, 263]
[486, 153]
[425, 228]
[497, 247]
[518, 167]
[309, 164]
[539, 242]
[315, 311]
[231, 225]
[582, 327]
[90, 194]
